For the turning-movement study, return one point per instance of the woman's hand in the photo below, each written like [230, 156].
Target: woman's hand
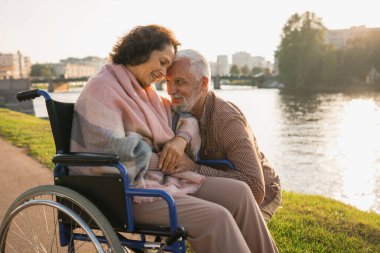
[172, 153]
[183, 164]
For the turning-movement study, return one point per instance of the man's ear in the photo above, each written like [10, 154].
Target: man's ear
[205, 83]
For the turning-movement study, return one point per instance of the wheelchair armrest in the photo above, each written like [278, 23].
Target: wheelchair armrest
[227, 163]
[173, 219]
[86, 159]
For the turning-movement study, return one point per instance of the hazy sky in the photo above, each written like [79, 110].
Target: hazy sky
[50, 30]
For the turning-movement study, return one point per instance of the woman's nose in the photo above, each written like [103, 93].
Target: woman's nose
[163, 71]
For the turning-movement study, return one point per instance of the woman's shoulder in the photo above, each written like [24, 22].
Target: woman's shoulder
[104, 80]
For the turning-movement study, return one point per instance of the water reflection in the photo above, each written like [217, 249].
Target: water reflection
[358, 148]
[332, 144]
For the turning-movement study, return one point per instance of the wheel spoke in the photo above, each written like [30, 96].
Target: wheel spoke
[34, 223]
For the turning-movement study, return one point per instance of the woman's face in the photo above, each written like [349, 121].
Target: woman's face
[154, 69]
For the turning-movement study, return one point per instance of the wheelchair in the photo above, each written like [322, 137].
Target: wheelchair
[85, 213]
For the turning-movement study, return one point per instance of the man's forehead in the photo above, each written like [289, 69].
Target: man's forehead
[182, 65]
[181, 61]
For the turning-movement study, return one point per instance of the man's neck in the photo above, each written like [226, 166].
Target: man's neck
[198, 108]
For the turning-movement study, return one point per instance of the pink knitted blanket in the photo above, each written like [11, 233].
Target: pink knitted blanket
[114, 114]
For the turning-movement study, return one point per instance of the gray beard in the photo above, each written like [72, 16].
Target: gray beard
[179, 108]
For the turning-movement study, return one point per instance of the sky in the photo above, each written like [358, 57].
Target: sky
[50, 30]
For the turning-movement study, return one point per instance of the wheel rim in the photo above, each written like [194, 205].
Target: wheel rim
[33, 226]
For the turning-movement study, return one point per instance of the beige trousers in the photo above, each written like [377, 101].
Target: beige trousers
[222, 216]
[268, 211]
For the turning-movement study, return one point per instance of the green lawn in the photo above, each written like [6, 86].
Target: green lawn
[305, 223]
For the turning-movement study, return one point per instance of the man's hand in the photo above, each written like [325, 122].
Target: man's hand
[183, 164]
[172, 153]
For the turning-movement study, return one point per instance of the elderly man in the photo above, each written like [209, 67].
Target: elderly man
[224, 130]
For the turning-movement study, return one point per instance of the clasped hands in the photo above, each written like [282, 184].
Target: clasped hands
[173, 158]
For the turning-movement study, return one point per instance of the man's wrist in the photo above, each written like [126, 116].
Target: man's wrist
[185, 135]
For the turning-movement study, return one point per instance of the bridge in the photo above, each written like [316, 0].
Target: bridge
[255, 79]
[59, 83]
[63, 83]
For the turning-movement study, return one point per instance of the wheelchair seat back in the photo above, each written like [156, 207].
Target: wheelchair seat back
[61, 118]
[106, 192]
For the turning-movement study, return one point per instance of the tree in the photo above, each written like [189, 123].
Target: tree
[358, 57]
[235, 70]
[355, 59]
[301, 51]
[374, 58]
[256, 70]
[244, 70]
[43, 70]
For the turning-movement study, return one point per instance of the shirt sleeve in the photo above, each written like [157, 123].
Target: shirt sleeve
[238, 145]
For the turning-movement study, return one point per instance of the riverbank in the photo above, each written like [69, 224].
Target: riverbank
[305, 223]
[357, 88]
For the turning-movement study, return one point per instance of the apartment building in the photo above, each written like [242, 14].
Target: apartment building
[340, 37]
[14, 66]
[242, 59]
[75, 67]
[222, 65]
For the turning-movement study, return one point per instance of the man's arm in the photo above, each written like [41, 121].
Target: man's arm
[238, 145]
[187, 132]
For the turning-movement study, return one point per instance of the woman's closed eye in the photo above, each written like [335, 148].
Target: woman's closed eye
[165, 63]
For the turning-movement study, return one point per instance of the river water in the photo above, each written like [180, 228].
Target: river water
[319, 143]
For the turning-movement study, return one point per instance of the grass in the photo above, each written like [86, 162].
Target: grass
[305, 223]
[308, 223]
[29, 132]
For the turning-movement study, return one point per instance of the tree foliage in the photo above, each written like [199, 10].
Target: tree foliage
[43, 70]
[235, 70]
[300, 53]
[359, 56]
[244, 70]
[256, 70]
[305, 61]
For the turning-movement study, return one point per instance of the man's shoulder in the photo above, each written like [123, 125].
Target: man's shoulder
[226, 108]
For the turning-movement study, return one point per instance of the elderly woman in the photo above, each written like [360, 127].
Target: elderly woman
[120, 112]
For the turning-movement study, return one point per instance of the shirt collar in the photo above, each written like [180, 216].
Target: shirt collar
[207, 109]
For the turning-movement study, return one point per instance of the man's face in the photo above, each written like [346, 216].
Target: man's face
[182, 86]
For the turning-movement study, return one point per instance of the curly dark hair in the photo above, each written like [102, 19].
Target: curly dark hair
[136, 46]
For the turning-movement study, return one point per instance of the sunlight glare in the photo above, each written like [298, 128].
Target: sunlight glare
[357, 144]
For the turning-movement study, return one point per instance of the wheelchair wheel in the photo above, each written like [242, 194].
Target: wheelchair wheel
[52, 218]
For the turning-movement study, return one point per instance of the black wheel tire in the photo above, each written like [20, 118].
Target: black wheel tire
[57, 194]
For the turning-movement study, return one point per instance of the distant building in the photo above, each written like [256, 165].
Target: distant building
[340, 37]
[258, 62]
[14, 66]
[222, 65]
[373, 76]
[213, 68]
[75, 67]
[242, 59]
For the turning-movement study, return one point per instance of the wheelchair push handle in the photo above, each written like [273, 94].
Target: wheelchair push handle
[32, 94]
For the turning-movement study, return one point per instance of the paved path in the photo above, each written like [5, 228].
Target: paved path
[18, 173]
